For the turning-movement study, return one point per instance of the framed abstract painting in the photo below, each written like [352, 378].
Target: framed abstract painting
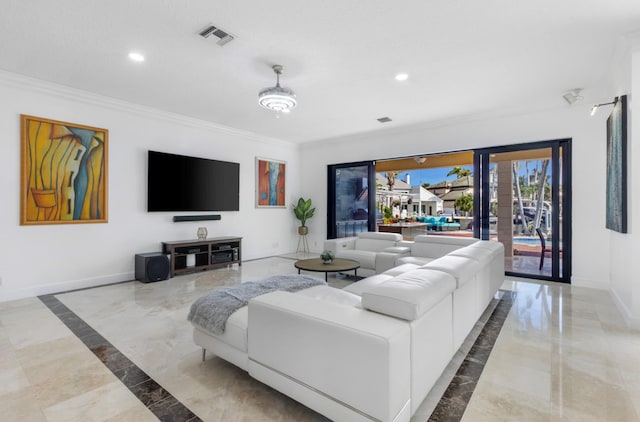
[270, 183]
[616, 199]
[64, 175]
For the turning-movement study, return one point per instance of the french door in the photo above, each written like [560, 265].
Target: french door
[351, 199]
[523, 199]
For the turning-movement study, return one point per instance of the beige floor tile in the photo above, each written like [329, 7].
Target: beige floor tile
[61, 379]
[20, 405]
[564, 354]
[98, 404]
[497, 402]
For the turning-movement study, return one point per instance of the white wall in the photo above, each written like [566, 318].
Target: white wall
[50, 258]
[590, 238]
[624, 247]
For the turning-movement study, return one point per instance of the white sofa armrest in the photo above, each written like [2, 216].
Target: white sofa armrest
[334, 245]
[406, 243]
[354, 356]
[386, 259]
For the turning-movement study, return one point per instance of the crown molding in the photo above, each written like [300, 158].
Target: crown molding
[14, 80]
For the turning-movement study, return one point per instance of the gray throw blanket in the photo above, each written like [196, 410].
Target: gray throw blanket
[212, 310]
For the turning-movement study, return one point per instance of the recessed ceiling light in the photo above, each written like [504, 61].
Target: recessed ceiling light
[136, 57]
[402, 77]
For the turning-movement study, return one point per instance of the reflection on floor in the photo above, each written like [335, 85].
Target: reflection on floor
[563, 353]
[528, 265]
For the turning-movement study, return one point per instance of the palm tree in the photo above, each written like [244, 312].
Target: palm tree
[459, 172]
[391, 179]
[541, 185]
[516, 182]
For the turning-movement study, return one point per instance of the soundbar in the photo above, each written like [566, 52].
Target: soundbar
[178, 218]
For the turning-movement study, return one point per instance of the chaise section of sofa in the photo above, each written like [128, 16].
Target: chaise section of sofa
[340, 360]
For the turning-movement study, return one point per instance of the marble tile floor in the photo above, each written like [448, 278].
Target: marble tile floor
[529, 265]
[563, 354]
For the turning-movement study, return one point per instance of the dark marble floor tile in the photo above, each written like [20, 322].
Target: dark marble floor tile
[113, 358]
[131, 376]
[448, 410]
[95, 341]
[171, 410]
[456, 397]
[54, 304]
[149, 392]
[77, 325]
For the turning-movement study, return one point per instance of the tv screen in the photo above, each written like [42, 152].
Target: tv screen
[181, 183]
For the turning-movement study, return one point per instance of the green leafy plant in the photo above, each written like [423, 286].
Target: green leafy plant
[303, 211]
[326, 255]
[464, 203]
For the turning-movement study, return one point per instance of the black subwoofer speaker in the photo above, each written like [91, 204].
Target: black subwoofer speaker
[152, 266]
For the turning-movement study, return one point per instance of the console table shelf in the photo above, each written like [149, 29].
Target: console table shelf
[188, 256]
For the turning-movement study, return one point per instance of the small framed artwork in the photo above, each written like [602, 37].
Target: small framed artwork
[617, 166]
[64, 176]
[270, 183]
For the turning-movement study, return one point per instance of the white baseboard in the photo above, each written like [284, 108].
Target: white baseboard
[64, 286]
[633, 321]
[589, 283]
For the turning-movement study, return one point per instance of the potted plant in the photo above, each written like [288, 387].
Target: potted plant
[327, 257]
[303, 212]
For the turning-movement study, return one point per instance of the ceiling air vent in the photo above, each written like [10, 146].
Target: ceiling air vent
[222, 36]
[384, 119]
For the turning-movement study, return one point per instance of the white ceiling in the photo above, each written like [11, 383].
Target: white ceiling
[340, 57]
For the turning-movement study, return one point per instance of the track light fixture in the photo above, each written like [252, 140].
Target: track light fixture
[595, 107]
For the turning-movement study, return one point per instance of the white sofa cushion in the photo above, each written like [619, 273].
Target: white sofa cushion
[358, 287]
[409, 295]
[376, 242]
[415, 260]
[427, 246]
[367, 259]
[401, 269]
[463, 269]
[331, 294]
[386, 259]
[479, 254]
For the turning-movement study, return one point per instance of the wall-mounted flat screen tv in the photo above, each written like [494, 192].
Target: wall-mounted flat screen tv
[182, 183]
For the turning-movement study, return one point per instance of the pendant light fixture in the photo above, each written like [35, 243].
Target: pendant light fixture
[277, 98]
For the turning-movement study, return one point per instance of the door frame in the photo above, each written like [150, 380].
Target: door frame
[331, 195]
[558, 171]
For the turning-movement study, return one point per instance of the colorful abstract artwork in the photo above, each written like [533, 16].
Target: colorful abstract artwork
[64, 172]
[270, 182]
[617, 166]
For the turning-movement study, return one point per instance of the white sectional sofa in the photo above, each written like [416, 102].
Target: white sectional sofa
[373, 350]
[376, 252]
[426, 248]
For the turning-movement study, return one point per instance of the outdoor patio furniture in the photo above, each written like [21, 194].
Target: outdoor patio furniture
[442, 225]
[543, 245]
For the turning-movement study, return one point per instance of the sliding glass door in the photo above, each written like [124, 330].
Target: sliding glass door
[522, 199]
[351, 199]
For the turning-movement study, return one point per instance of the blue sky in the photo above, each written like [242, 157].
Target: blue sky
[432, 176]
[436, 175]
